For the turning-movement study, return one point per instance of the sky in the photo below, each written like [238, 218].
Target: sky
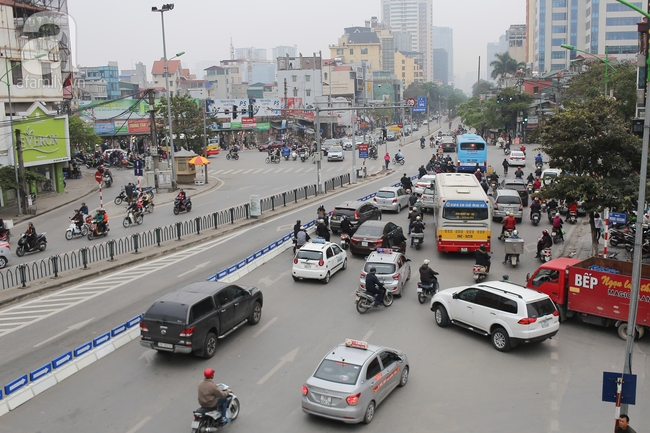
[128, 32]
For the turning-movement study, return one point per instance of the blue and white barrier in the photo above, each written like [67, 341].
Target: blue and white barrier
[27, 386]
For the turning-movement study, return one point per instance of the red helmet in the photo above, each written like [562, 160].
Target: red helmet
[208, 373]
[543, 231]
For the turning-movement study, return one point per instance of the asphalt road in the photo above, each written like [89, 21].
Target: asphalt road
[458, 382]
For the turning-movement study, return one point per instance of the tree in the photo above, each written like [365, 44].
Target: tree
[456, 98]
[505, 65]
[482, 87]
[591, 141]
[187, 120]
[481, 115]
[82, 135]
[510, 103]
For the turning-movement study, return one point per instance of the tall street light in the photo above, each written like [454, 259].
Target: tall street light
[605, 60]
[166, 8]
[11, 122]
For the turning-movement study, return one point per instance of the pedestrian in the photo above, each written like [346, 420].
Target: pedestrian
[624, 425]
[598, 224]
[387, 159]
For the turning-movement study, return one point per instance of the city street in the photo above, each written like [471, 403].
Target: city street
[458, 382]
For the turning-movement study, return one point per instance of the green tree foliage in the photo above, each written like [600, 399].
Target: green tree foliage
[482, 87]
[591, 84]
[481, 115]
[448, 96]
[505, 65]
[510, 102]
[82, 134]
[591, 141]
[187, 118]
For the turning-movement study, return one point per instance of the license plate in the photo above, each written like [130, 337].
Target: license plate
[307, 265]
[463, 250]
[195, 424]
[327, 401]
[357, 299]
[166, 345]
[544, 323]
[419, 290]
[364, 244]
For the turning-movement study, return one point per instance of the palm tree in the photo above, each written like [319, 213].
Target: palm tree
[505, 65]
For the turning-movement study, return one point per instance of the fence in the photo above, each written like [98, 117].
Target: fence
[52, 266]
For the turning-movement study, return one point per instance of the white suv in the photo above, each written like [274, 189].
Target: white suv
[509, 313]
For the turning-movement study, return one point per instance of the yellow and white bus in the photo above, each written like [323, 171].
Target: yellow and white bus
[461, 214]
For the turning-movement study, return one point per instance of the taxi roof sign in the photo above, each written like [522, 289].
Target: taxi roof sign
[357, 344]
[318, 240]
[384, 250]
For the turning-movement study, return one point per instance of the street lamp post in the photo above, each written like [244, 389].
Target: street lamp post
[605, 60]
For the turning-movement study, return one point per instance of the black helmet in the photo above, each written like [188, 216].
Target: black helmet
[373, 270]
[482, 248]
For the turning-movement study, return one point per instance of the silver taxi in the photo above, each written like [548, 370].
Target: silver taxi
[352, 380]
[393, 270]
[318, 259]
[392, 198]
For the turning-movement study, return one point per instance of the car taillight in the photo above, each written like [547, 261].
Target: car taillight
[395, 200]
[555, 313]
[527, 320]
[187, 332]
[363, 274]
[305, 391]
[379, 242]
[356, 214]
[496, 206]
[295, 261]
[352, 400]
[395, 276]
[143, 327]
[374, 199]
[321, 263]
[521, 207]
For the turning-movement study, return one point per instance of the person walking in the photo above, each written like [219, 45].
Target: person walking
[599, 225]
[387, 159]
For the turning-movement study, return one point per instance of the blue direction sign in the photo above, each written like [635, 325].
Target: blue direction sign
[136, 320]
[421, 106]
[118, 330]
[62, 360]
[137, 168]
[15, 385]
[98, 341]
[40, 372]
[82, 349]
[617, 218]
[628, 391]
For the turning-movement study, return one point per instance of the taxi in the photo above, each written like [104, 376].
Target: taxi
[393, 270]
[212, 149]
[319, 260]
[352, 380]
[5, 252]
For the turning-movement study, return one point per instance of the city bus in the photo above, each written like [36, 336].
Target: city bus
[471, 150]
[461, 214]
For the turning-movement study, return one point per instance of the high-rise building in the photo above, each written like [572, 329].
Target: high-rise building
[494, 48]
[443, 38]
[135, 76]
[108, 73]
[516, 36]
[283, 51]
[440, 67]
[251, 53]
[414, 17]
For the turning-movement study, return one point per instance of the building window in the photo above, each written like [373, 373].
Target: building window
[351, 51]
[307, 92]
[559, 16]
[556, 42]
[557, 67]
[558, 29]
[16, 73]
[295, 92]
[364, 50]
[294, 78]
[325, 75]
[618, 7]
[307, 78]
[559, 3]
[558, 54]
[403, 62]
[403, 75]
[46, 73]
[403, 68]
[622, 21]
[618, 36]
[339, 51]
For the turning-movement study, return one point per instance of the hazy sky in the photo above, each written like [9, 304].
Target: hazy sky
[128, 32]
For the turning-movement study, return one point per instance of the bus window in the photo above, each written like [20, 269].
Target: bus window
[469, 214]
[472, 146]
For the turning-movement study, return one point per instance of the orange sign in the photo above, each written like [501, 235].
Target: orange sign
[139, 126]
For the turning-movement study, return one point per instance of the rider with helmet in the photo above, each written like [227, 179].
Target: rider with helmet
[535, 207]
[482, 258]
[557, 225]
[509, 223]
[513, 235]
[543, 242]
[31, 235]
[374, 286]
[211, 397]
[417, 227]
[428, 275]
[345, 226]
[322, 231]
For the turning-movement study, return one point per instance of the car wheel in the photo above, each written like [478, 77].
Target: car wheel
[370, 413]
[256, 314]
[404, 377]
[210, 345]
[326, 279]
[3, 262]
[501, 340]
[399, 208]
[442, 318]
[295, 278]
[345, 264]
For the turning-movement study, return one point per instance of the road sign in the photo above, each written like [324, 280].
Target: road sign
[628, 391]
[137, 168]
[617, 218]
[399, 125]
[363, 150]
[411, 102]
[421, 106]
[98, 177]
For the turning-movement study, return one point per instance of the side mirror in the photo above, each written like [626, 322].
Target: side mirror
[455, 296]
[527, 277]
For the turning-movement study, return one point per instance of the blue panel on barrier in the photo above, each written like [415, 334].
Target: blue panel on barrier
[118, 330]
[273, 245]
[15, 385]
[40, 372]
[250, 259]
[232, 269]
[82, 349]
[62, 360]
[266, 250]
[1, 394]
[287, 237]
[258, 254]
[136, 320]
[222, 274]
[241, 264]
[98, 341]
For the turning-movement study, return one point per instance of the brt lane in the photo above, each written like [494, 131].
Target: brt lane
[552, 386]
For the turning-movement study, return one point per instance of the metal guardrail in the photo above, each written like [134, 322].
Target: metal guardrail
[52, 266]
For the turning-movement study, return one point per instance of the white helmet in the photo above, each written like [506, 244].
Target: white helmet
[426, 261]
[515, 233]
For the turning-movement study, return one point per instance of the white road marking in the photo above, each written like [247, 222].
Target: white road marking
[75, 327]
[330, 169]
[265, 327]
[139, 425]
[268, 170]
[237, 171]
[246, 187]
[367, 336]
[226, 172]
[299, 170]
[197, 267]
[288, 170]
[285, 228]
[278, 170]
[258, 170]
[248, 171]
[268, 281]
[289, 357]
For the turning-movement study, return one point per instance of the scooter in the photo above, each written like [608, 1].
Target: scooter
[418, 240]
[506, 151]
[94, 232]
[121, 197]
[365, 301]
[272, 158]
[73, 230]
[130, 218]
[557, 236]
[294, 155]
[573, 217]
[303, 156]
[399, 161]
[209, 419]
[545, 255]
[108, 180]
[345, 241]
[39, 244]
[421, 144]
[534, 218]
[506, 234]
[232, 155]
[425, 291]
[180, 207]
[479, 272]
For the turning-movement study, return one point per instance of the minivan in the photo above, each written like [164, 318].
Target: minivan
[505, 201]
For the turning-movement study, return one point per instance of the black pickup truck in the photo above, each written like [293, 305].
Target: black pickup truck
[193, 318]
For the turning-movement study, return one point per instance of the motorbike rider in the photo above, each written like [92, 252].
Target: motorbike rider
[479, 174]
[322, 230]
[211, 397]
[557, 225]
[539, 159]
[485, 185]
[234, 151]
[181, 197]
[136, 208]
[544, 241]
[413, 198]
[84, 209]
[302, 237]
[505, 166]
[421, 171]
[31, 235]
[422, 140]
[128, 190]
[286, 151]
[416, 227]
[573, 207]
[346, 225]
[322, 214]
[513, 235]
[509, 223]
[406, 182]
[538, 172]
[537, 185]
[482, 258]
[530, 179]
[276, 155]
[398, 155]
[98, 219]
[374, 286]
[535, 207]
[399, 240]
[428, 275]
[494, 177]
[413, 216]
[3, 229]
[519, 174]
[78, 218]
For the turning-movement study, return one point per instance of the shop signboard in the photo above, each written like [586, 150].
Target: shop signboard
[104, 128]
[103, 110]
[44, 136]
[262, 107]
[139, 126]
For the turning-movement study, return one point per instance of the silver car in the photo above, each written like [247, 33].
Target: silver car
[423, 182]
[393, 270]
[335, 154]
[352, 380]
[428, 198]
[505, 201]
[391, 198]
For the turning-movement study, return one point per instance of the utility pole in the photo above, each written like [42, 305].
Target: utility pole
[205, 138]
[317, 155]
[21, 168]
[152, 127]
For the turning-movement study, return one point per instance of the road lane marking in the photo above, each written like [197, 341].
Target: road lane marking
[139, 425]
[278, 170]
[248, 171]
[289, 357]
[299, 170]
[237, 171]
[226, 172]
[258, 170]
[265, 327]
[196, 268]
[367, 336]
[74, 327]
[246, 187]
[268, 170]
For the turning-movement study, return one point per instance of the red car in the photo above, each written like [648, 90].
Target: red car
[269, 144]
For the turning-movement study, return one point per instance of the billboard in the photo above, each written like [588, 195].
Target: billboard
[45, 137]
[263, 107]
[139, 126]
[104, 110]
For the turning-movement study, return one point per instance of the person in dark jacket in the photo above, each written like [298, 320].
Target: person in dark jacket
[416, 227]
[399, 240]
[322, 231]
[427, 275]
[406, 182]
[482, 257]
[374, 286]
[296, 228]
[421, 171]
[346, 226]
[544, 242]
[412, 198]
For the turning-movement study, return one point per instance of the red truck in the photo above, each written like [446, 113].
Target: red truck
[594, 290]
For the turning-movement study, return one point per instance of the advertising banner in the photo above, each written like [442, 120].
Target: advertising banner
[45, 138]
[139, 126]
[105, 128]
[103, 110]
[261, 107]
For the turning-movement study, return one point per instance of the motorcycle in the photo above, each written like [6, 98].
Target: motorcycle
[93, 229]
[365, 301]
[130, 218]
[39, 244]
[545, 255]
[345, 241]
[272, 158]
[506, 234]
[180, 207]
[506, 151]
[73, 230]
[618, 237]
[4, 237]
[534, 218]
[418, 239]
[479, 272]
[573, 217]
[147, 207]
[557, 236]
[209, 419]
[232, 155]
[399, 161]
[421, 144]
[303, 156]
[120, 198]
[425, 291]
[294, 155]
[538, 164]
[108, 180]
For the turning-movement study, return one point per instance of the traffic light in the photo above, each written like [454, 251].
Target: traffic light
[525, 120]
[384, 133]
[251, 114]
[234, 112]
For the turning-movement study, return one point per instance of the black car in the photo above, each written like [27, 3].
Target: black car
[357, 211]
[517, 185]
[193, 318]
[372, 235]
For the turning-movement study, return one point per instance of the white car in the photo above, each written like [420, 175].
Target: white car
[392, 198]
[393, 270]
[335, 154]
[549, 174]
[423, 182]
[509, 313]
[318, 260]
[5, 252]
[517, 158]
